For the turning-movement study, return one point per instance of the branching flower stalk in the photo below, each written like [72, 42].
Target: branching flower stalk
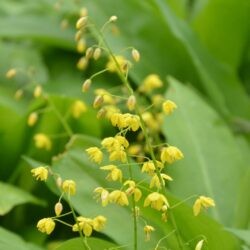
[100, 37]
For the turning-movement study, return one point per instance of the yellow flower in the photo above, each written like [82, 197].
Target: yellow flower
[78, 108]
[149, 167]
[32, 119]
[133, 190]
[69, 186]
[103, 195]
[202, 202]
[95, 154]
[84, 224]
[46, 225]
[122, 140]
[38, 91]
[115, 173]
[168, 107]
[171, 154]
[156, 200]
[112, 67]
[119, 197]
[11, 73]
[155, 182]
[150, 83]
[99, 222]
[114, 143]
[42, 141]
[41, 173]
[148, 230]
[118, 155]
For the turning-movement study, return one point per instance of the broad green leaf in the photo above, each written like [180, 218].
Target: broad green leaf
[11, 241]
[213, 164]
[241, 234]
[93, 243]
[36, 27]
[74, 165]
[12, 196]
[222, 26]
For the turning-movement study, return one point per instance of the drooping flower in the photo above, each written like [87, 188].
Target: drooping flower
[150, 83]
[119, 197]
[156, 200]
[40, 173]
[148, 230]
[46, 225]
[103, 195]
[84, 224]
[202, 202]
[42, 141]
[69, 186]
[171, 154]
[95, 154]
[168, 107]
[115, 173]
[99, 222]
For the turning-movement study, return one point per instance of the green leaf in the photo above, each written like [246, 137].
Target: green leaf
[213, 164]
[241, 234]
[11, 241]
[222, 26]
[12, 196]
[93, 243]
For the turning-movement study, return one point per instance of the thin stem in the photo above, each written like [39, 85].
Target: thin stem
[98, 34]
[61, 119]
[86, 246]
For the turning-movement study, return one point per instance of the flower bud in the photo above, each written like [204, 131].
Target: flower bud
[37, 91]
[136, 55]
[59, 182]
[78, 35]
[58, 208]
[86, 85]
[11, 73]
[89, 52]
[83, 12]
[81, 22]
[18, 94]
[81, 45]
[101, 113]
[82, 63]
[113, 18]
[98, 101]
[97, 53]
[131, 102]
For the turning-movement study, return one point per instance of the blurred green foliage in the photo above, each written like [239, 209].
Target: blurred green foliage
[203, 44]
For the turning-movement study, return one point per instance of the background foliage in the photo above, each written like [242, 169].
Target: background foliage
[203, 44]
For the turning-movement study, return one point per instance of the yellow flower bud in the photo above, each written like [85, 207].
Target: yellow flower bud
[81, 45]
[98, 101]
[199, 245]
[89, 52]
[78, 35]
[113, 18]
[37, 91]
[101, 113]
[97, 53]
[83, 12]
[171, 154]
[58, 208]
[82, 63]
[46, 225]
[42, 141]
[81, 22]
[168, 107]
[86, 85]
[40, 173]
[131, 103]
[59, 182]
[69, 186]
[32, 119]
[11, 73]
[18, 94]
[136, 55]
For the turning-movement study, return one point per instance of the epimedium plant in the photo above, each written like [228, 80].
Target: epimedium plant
[135, 144]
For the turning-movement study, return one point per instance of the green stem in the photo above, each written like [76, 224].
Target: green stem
[99, 35]
[61, 119]
[84, 239]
